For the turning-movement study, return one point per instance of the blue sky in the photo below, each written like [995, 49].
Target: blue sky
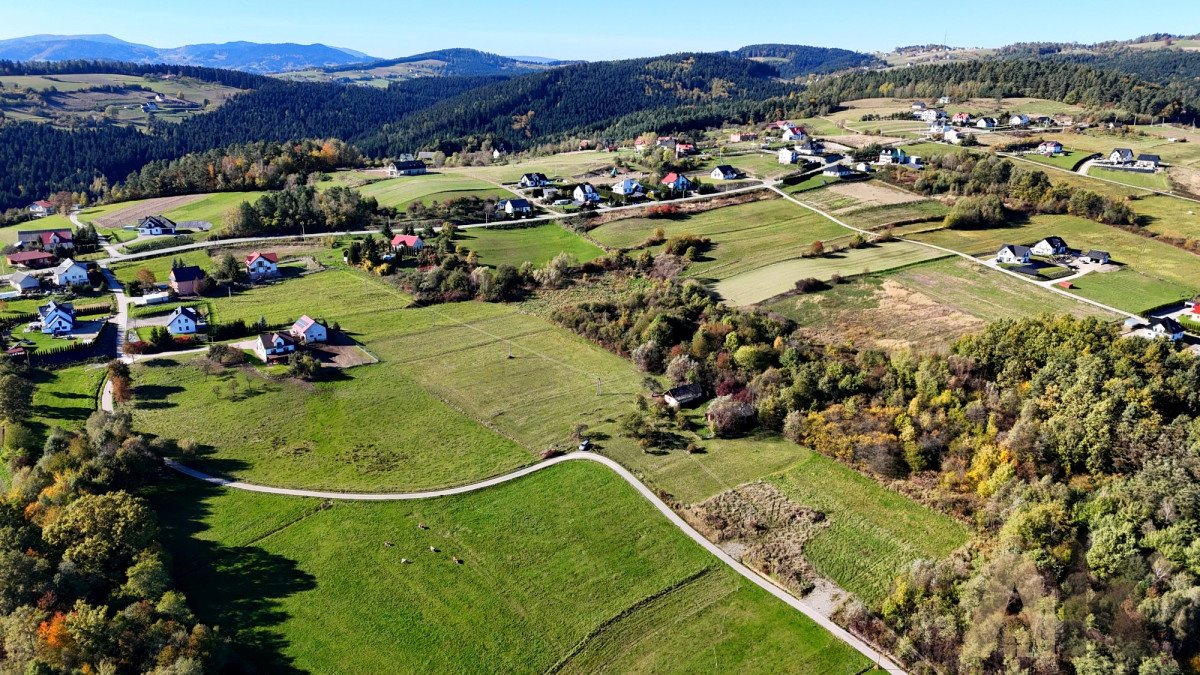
[596, 30]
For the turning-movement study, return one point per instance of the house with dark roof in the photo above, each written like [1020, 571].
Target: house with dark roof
[1166, 327]
[308, 330]
[1120, 156]
[683, 395]
[1050, 246]
[274, 346]
[155, 226]
[411, 167]
[1013, 254]
[836, 171]
[585, 193]
[519, 207]
[186, 280]
[533, 180]
[986, 123]
[57, 317]
[723, 172]
[1095, 256]
[183, 321]
[1145, 161]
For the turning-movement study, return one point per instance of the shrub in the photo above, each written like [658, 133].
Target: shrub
[727, 415]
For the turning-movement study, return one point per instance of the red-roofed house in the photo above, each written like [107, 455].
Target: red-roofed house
[49, 239]
[308, 330]
[262, 265]
[684, 149]
[408, 241]
[677, 182]
[41, 208]
[31, 259]
[793, 134]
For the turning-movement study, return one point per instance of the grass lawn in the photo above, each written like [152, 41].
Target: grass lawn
[1133, 290]
[161, 266]
[1152, 181]
[880, 216]
[536, 244]
[564, 165]
[1167, 271]
[811, 183]
[756, 164]
[65, 397]
[545, 575]
[212, 208]
[1066, 160]
[1169, 216]
[439, 186]
[766, 282]
[873, 532]
[744, 237]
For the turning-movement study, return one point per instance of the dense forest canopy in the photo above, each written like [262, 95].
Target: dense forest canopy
[800, 60]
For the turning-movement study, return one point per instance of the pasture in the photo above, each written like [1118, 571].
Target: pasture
[545, 579]
[537, 244]
[211, 208]
[64, 397]
[744, 237]
[873, 533]
[1066, 160]
[1150, 181]
[766, 282]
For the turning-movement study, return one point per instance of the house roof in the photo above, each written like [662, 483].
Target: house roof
[29, 256]
[1056, 242]
[156, 221]
[686, 393]
[409, 240]
[1168, 324]
[726, 169]
[1149, 158]
[1124, 152]
[1017, 249]
[51, 307]
[20, 279]
[530, 177]
[1049, 143]
[519, 203]
[44, 236]
[270, 257]
[186, 312]
[1094, 253]
[268, 339]
[303, 324]
[43, 203]
[66, 265]
[186, 273]
[408, 164]
[628, 185]
[671, 178]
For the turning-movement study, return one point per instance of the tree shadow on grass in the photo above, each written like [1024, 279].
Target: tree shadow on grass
[235, 587]
[154, 396]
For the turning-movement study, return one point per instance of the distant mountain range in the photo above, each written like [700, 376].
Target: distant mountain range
[246, 56]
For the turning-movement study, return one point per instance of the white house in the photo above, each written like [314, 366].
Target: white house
[153, 226]
[262, 265]
[1050, 148]
[309, 330]
[69, 273]
[1050, 246]
[274, 346]
[57, 317]
[1145, 161]
[723, 172]
[1018, 120]
[24, 282]
[1166, 327]
[836, 171]
[788, 156]
[677, 182]
[584, 193]
[410, 167]
[952, 136]
[407, 241]
[1120, 156]
[932, 115]
[893, 156]
[986, 123]
[41, 208]
[533, 180]
[183, 321]
[517, 207]
[1095, 256]
[794, 134]
[629, 188]
[1012, 254]
[684, 394]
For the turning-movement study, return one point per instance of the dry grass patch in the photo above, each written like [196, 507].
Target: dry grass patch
[874, 193]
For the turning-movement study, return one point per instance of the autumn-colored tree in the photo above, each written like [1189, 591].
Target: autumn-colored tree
[817, 248]
[146, 277]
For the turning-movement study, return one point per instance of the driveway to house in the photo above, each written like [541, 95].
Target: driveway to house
[108, 248]
[817, 609]
[1083, 169]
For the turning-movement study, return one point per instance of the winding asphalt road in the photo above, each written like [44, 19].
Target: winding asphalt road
[876, 657]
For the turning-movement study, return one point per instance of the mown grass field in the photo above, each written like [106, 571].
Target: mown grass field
[1166, 271]
[881, 216]
[873, 532]
[563, 165]
[161, 266]
[1065, 160]
[567, 560]
[212, 208]
[65, 397]
[438, 186]
[1152, 181]
[537, 244]
[744, 237]
[767, 282]
[756, 164]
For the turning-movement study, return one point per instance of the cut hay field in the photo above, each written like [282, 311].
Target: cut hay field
[1162, 270]
[873, 533]
[538, 244]
[568, 567]
[1150, 181]
[404, 190]
[755, 164]
[744, 237]
[766, 282]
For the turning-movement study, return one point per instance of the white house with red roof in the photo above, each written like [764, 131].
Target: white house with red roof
[308, 330]
[49, 239]
[262, 265]
[41, 208]
[677, 182]
[961, 118]
[794, 134]
[408, 241]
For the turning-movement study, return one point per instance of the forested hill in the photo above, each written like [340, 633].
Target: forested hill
[800, 60]
[456, 62]
[1055, 80]
[579, 98]
[1164, 66]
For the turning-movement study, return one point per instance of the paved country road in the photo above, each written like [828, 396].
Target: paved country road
[799, 604]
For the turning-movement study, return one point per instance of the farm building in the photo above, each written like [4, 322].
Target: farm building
[274, 346]
[31, 259]
[410, 242]
[155, 225]
[183, 321]
[69, 273]
[723, 172]
[57, 317]
[24, 282]
[187, 280]
[1050, 246]
[683, 395]
[410, 167]
[1013, 254]
[308, 330]
[49, 239]
[262, 265]
[41, 208]
[533, 180]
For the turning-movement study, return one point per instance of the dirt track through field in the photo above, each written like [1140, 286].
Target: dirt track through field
[150, 207]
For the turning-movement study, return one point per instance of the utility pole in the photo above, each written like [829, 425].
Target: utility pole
[598, 387]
